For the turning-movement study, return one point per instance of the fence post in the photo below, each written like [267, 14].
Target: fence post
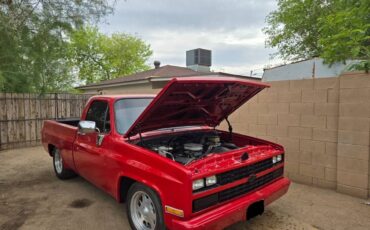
[56, 105]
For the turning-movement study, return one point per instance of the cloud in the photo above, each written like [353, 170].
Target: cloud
[230, 28]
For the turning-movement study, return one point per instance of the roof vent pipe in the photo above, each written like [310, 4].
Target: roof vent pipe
[157, 64]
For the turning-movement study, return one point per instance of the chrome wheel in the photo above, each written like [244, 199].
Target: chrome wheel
[143, 212]
[58, 162]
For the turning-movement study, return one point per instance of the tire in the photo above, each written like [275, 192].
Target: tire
[149, 208]
[60, 171]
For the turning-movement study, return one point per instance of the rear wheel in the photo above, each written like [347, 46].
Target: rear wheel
[144, 209]
[60, 171]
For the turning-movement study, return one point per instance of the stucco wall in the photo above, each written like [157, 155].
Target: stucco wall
[305, 70]
[324, 125]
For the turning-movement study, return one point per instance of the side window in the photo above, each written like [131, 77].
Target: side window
[99, 112]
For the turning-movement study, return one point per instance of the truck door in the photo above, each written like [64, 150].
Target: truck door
[89, 156]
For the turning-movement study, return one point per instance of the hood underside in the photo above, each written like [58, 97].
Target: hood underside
[195, 101]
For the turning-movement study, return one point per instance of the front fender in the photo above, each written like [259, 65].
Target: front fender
[170, 180]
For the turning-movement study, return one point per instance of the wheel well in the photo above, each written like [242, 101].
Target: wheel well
[124, 186]
[51, 149]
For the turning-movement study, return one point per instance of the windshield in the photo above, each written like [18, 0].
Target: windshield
[127, 111]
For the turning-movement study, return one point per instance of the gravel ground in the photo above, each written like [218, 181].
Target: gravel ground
[31, 197]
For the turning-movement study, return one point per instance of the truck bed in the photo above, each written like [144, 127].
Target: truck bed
[61, 134]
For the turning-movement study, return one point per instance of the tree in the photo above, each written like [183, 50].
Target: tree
[96, 56]
[12, 57]
[336, 30]
[347, 33]
[34, 42]
[2, 82]
[49, 61]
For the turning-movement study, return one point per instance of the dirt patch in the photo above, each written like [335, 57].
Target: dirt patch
[32, 198]
[15, 222]
[272, 220]
[17, 210]
[80, 203]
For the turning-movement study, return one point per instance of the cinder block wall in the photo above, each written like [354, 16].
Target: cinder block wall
[354, 135]
[324, 125]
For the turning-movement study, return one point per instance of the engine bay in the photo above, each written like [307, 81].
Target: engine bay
[187, 147]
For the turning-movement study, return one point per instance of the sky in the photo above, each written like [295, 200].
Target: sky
[232, 29]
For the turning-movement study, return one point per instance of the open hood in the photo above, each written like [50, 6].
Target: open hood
[198, 101]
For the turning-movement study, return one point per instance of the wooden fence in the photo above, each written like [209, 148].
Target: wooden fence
[22, 115]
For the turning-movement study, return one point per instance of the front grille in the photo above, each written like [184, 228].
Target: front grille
[240, 173]
[249, 186]
[207, 201]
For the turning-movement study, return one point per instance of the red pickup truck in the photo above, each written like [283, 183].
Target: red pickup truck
[163, 156]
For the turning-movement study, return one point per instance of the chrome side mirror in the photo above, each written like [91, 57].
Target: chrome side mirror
[85, 127]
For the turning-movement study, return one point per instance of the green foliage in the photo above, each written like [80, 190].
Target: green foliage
[336, 30]
[347, 32]
[98, 57]
[34, 42]
[2, 82]
[294, 29]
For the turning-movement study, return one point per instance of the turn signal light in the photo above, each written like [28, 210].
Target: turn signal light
[174, 211]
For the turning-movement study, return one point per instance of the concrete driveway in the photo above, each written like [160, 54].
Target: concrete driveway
[31, 197]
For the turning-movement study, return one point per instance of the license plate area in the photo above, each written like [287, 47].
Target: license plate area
[255, 209]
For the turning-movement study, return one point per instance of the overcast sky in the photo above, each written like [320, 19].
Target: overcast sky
[230, 28]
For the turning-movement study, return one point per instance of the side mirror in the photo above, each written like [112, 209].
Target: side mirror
[85, 127]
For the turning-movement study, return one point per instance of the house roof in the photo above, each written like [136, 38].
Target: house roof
[167, 71]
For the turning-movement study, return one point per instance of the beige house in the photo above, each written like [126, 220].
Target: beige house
[198, 63]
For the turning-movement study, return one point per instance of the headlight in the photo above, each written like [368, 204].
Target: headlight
[198, 184]
[277, 159]
[211, 180]
[274, 160]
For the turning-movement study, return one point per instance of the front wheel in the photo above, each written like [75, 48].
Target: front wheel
[144, 209]
[60, 171]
